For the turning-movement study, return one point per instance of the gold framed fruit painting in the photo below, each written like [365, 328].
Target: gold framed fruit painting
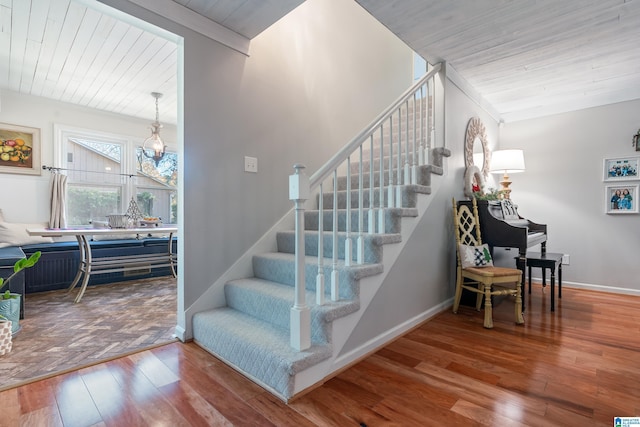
[19, 149]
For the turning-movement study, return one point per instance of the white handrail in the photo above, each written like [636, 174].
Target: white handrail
[335, 161]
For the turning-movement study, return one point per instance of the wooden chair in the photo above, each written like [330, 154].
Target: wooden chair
[483, 280]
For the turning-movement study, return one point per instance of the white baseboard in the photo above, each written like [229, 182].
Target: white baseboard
[593, 287]
[180, 333]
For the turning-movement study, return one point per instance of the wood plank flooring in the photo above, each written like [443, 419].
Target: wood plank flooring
[579, 366]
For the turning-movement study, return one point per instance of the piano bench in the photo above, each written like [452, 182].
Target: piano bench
[552, 261]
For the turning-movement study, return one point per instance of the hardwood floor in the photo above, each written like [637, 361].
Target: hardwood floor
[579, 366]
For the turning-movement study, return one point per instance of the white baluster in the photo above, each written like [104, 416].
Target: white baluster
[300, 315]
[414, 163]
[407, 169]
[381, 220]
[398, 189]
[391, 188]
[430, 119]
[360, 241]
[334, 233]
[320, 275]
[423, 159]
[348, 244]
[372, 209]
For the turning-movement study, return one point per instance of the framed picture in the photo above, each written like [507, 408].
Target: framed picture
[19, 149]
[621, 169]
[621, 199]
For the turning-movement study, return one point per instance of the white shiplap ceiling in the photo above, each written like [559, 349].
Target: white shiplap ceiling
[63, 50]
[70, 51]
[525, 58]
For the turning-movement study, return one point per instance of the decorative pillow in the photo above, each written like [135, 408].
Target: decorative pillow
[475, 256]
[15, 234]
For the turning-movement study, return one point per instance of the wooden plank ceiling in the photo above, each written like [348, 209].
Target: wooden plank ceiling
[62, 50]
[66, 51]
[525, 58]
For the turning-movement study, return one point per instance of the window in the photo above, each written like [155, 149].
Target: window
[419, 66]
[156, 188]
[105, 172]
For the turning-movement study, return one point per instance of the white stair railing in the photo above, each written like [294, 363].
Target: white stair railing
[412, 150]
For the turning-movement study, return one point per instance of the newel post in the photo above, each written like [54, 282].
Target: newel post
[300, 318]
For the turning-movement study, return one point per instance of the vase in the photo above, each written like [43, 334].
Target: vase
[5, 337]
[10, 308]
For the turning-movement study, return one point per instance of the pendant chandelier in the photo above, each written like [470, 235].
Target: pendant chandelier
[154, 142]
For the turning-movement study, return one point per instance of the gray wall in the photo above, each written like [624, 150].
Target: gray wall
[563, 187]
[311, 82]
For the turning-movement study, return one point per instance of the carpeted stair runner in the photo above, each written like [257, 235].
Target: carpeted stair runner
[252, 332]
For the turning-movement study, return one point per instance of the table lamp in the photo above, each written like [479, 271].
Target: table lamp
[506, 162]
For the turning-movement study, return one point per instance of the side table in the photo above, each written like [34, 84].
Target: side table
[549, 260]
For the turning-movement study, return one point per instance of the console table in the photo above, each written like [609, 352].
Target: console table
[545, 260]
[89, 265]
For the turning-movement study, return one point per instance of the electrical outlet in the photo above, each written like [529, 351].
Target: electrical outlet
[250, 164]
[565, 259]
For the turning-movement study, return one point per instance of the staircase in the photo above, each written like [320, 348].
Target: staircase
[345, 240]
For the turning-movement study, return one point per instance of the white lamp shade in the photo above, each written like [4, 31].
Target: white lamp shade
[507, 161]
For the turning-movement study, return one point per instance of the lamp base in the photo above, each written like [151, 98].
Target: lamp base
[505, 191]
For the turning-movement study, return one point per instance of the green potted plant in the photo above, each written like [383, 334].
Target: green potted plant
[10, 302]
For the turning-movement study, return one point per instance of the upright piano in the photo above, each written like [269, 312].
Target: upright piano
[501, 226]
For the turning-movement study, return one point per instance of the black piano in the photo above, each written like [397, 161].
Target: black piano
[501, 226]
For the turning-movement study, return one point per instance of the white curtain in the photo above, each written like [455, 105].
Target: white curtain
[58, 188]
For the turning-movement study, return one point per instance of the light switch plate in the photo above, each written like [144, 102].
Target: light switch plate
[250, 164]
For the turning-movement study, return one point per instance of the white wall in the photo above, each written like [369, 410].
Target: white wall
[312, 81]
[563, 187]
[29, 202]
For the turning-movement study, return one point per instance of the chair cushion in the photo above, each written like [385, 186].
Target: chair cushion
[475, 256]
[494, 271]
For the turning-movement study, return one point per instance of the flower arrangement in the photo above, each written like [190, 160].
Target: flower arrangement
[491, 194]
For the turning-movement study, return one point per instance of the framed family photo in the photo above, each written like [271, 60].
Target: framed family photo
[621, 169]
[19, 149]
[621, 199]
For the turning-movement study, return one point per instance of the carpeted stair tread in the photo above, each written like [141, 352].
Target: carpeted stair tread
[393, 219]
[372, 244]
[271, 302]
[408, 192]
[259, 349]
[377, 239]
[279, 267]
